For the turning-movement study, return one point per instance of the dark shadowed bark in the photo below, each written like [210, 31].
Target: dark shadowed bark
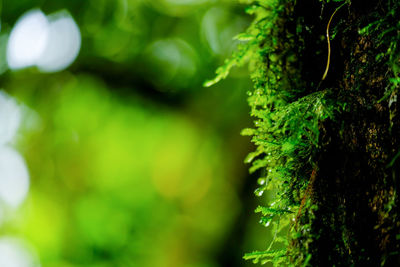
[357, 221]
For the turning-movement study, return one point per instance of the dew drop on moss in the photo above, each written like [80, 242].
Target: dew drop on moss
[258, 192]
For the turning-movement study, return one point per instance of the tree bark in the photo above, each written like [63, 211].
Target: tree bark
[357, 221]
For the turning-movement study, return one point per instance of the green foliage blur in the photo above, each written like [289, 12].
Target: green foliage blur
[132, 161]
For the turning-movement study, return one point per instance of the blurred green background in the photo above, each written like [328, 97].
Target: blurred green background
[132, 161]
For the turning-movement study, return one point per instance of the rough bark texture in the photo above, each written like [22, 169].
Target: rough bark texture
[357, 222]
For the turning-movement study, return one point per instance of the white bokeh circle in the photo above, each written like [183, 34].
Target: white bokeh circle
[10, 118]
[16, 253]
[14, 177]
[27, 40]
[63, 44]
[51, 43]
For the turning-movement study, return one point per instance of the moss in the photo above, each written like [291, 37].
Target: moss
[326, 148]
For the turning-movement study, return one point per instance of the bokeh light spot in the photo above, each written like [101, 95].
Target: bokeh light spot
[14, 177]
[174, 61]
[14, 253]
[28, 40]
[51, 43]
[10, 118]
[63, 44]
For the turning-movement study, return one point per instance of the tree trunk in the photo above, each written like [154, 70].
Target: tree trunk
[337, 182]
[357, 221]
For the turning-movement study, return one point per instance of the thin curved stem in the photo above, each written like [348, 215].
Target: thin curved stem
[329, 43]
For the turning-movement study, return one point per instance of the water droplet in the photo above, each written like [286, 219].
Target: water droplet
[269, 170]
[267, 223]
[261, 181]
[259, 192]
[269, 153]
